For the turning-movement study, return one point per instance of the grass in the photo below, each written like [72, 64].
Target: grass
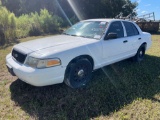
[122, 91]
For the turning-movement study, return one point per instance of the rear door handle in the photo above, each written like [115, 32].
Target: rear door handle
[139, 38]
[125, 41]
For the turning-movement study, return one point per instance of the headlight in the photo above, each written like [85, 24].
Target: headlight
[45, 63]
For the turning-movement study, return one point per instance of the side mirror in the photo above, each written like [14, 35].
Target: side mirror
[111, 36]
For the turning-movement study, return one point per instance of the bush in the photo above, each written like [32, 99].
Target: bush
[23, 26]
[49, 23]
[44, 23]
[33, 24]
[7, 26]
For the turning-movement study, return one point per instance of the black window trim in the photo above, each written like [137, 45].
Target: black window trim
[133, 25]
[109, 28]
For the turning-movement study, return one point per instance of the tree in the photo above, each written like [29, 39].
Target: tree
[71, 11]
[84, 8]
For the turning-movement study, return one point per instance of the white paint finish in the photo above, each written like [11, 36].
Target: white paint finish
[62, 41]
[37, 77]
[67, 48]
[70, 42]
[114, 48]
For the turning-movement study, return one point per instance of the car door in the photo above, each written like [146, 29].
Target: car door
[114, 49]
[133, 37]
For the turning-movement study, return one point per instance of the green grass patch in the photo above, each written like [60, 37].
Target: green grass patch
[125, 90]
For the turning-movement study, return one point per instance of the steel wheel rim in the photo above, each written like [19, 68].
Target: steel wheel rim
[80, 73]
[141, 54]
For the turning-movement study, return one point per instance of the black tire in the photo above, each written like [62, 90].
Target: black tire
[78, 74]
[140, 54]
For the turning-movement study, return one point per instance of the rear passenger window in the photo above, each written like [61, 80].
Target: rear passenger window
[136, 32]
[116, 27]
[130, 29]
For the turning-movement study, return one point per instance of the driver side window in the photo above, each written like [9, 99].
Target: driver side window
[116, 27]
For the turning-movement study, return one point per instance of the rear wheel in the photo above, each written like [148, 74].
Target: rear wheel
[140, 54]
[79, 73]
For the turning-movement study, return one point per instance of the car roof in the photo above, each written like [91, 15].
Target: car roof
[106, 20]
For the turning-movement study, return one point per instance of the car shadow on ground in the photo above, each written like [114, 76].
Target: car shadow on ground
[111, 88]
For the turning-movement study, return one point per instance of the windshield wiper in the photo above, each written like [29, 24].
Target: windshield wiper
[69, 34]
[73, 35]
[77, 35]
[86, 36]
[65, 33]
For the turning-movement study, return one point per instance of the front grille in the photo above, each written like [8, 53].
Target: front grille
[20, 57]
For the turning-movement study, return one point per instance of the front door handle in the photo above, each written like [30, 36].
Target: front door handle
[125, 41]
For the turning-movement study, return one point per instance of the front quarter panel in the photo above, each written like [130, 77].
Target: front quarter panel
[94, 50]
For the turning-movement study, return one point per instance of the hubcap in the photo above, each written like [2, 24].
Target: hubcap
[141, 53]
[81, 73]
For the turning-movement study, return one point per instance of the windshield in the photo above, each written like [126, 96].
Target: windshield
[87, 29]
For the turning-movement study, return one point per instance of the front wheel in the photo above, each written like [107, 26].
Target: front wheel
[78, 74]
[140, 54]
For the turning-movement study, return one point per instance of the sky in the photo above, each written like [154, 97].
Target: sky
[148, 6]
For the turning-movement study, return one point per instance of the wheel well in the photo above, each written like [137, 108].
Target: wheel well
[80, 57]
[145, 44]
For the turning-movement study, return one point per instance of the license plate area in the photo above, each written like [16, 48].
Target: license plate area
[10, 70]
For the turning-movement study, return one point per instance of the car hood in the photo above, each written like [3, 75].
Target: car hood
[56, 43]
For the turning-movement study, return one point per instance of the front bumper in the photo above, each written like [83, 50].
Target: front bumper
[36, 77]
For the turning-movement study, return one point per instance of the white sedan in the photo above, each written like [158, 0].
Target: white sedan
[72, 56]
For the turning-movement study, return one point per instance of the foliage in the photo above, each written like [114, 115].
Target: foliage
[83, 8]
[48, 22]
[7, 26]
[33, 24]
[23, 26]
[44, 23]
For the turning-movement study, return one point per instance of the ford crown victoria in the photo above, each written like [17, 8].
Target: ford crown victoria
[81, 49]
